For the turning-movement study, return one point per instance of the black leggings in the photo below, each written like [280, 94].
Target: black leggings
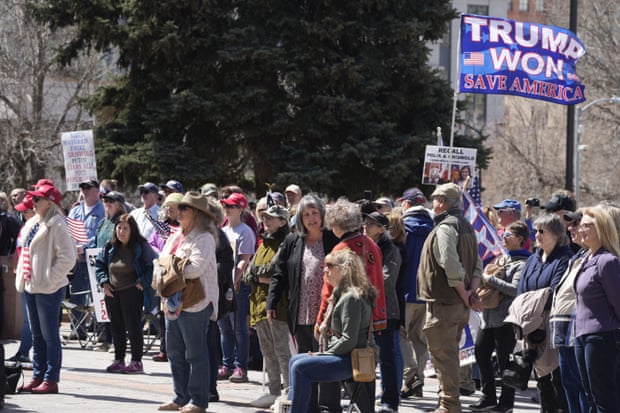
[125, 309]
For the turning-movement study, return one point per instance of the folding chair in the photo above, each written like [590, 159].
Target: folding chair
[85, 321]
[151, 329]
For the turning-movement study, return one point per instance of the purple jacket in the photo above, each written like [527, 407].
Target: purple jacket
[598, 294]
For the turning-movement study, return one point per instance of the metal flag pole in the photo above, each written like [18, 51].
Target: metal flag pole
[456, 86]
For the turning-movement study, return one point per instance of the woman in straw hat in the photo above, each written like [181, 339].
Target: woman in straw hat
[186, 330]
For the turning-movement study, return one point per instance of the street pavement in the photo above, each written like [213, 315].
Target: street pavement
[86, 387]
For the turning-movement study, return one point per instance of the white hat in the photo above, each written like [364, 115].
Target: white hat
[293, 188]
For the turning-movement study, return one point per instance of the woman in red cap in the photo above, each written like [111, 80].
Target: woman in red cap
[48, 254]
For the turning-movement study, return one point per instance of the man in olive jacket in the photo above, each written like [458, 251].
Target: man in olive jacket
[448, 276]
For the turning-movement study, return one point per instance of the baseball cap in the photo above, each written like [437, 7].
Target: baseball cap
[278, 197]
[174, 198]
[42, 182]
[449, 190]
[114, 196]
[26, 204]
[236, 199]
[293, 188]
[384, 201]
[379, 218]
[559, 202]
[148, 187]
[413, 195]
[173, 185]
[508, 204]
[47, 191]
[569, 216]
[208, 189]
[276, 211]
[91, 183]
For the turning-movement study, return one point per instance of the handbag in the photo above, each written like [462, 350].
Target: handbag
[363, 360]
[192, 293]
[13, 372]
[489, 296]
[168, 275]
[518, 369]
[363, 364]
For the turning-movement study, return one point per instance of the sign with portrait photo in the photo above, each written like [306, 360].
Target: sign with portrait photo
[443, 164]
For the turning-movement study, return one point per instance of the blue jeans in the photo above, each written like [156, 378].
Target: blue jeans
[234, 332]
[26, 339]
[187, 349]
[571, 381]
[388, 341]
[44, 317]
[598, 360]
[305, 369]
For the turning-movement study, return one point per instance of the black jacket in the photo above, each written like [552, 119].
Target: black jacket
[286, 278]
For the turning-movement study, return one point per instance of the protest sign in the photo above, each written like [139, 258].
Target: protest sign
[443, 164]
[501, 56]
[78, 148]
[101, 313]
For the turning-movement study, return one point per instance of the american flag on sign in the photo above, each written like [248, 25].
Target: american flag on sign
[77, 230]
[473, 59]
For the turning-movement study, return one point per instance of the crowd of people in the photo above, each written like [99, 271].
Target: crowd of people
[317, 279]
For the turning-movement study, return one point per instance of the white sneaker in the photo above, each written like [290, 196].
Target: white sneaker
[281, 405]
[264, 401]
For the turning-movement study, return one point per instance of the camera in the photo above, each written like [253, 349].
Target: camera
[533, 202]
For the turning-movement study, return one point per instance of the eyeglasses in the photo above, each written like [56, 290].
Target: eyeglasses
[505, 211]
[370, 224]
[539, 231]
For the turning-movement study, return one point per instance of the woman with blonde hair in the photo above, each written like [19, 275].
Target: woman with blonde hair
[345, 327]
[48, 254]
[597, 315]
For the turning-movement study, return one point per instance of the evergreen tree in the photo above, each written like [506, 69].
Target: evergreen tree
[335, 96]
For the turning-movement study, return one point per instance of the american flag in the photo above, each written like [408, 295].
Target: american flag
[26, 268]
[473, 59]
[163, 228]
[77, 230]
[489, 243]
[474, 190]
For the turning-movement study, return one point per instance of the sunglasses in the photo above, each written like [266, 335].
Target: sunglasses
[36, 198]
[183, 207]
[539, 231]
[507, 234]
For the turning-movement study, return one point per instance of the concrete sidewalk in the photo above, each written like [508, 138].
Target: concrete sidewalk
[86, 387]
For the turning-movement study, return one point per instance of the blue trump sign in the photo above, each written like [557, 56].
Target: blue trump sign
[501, 56]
